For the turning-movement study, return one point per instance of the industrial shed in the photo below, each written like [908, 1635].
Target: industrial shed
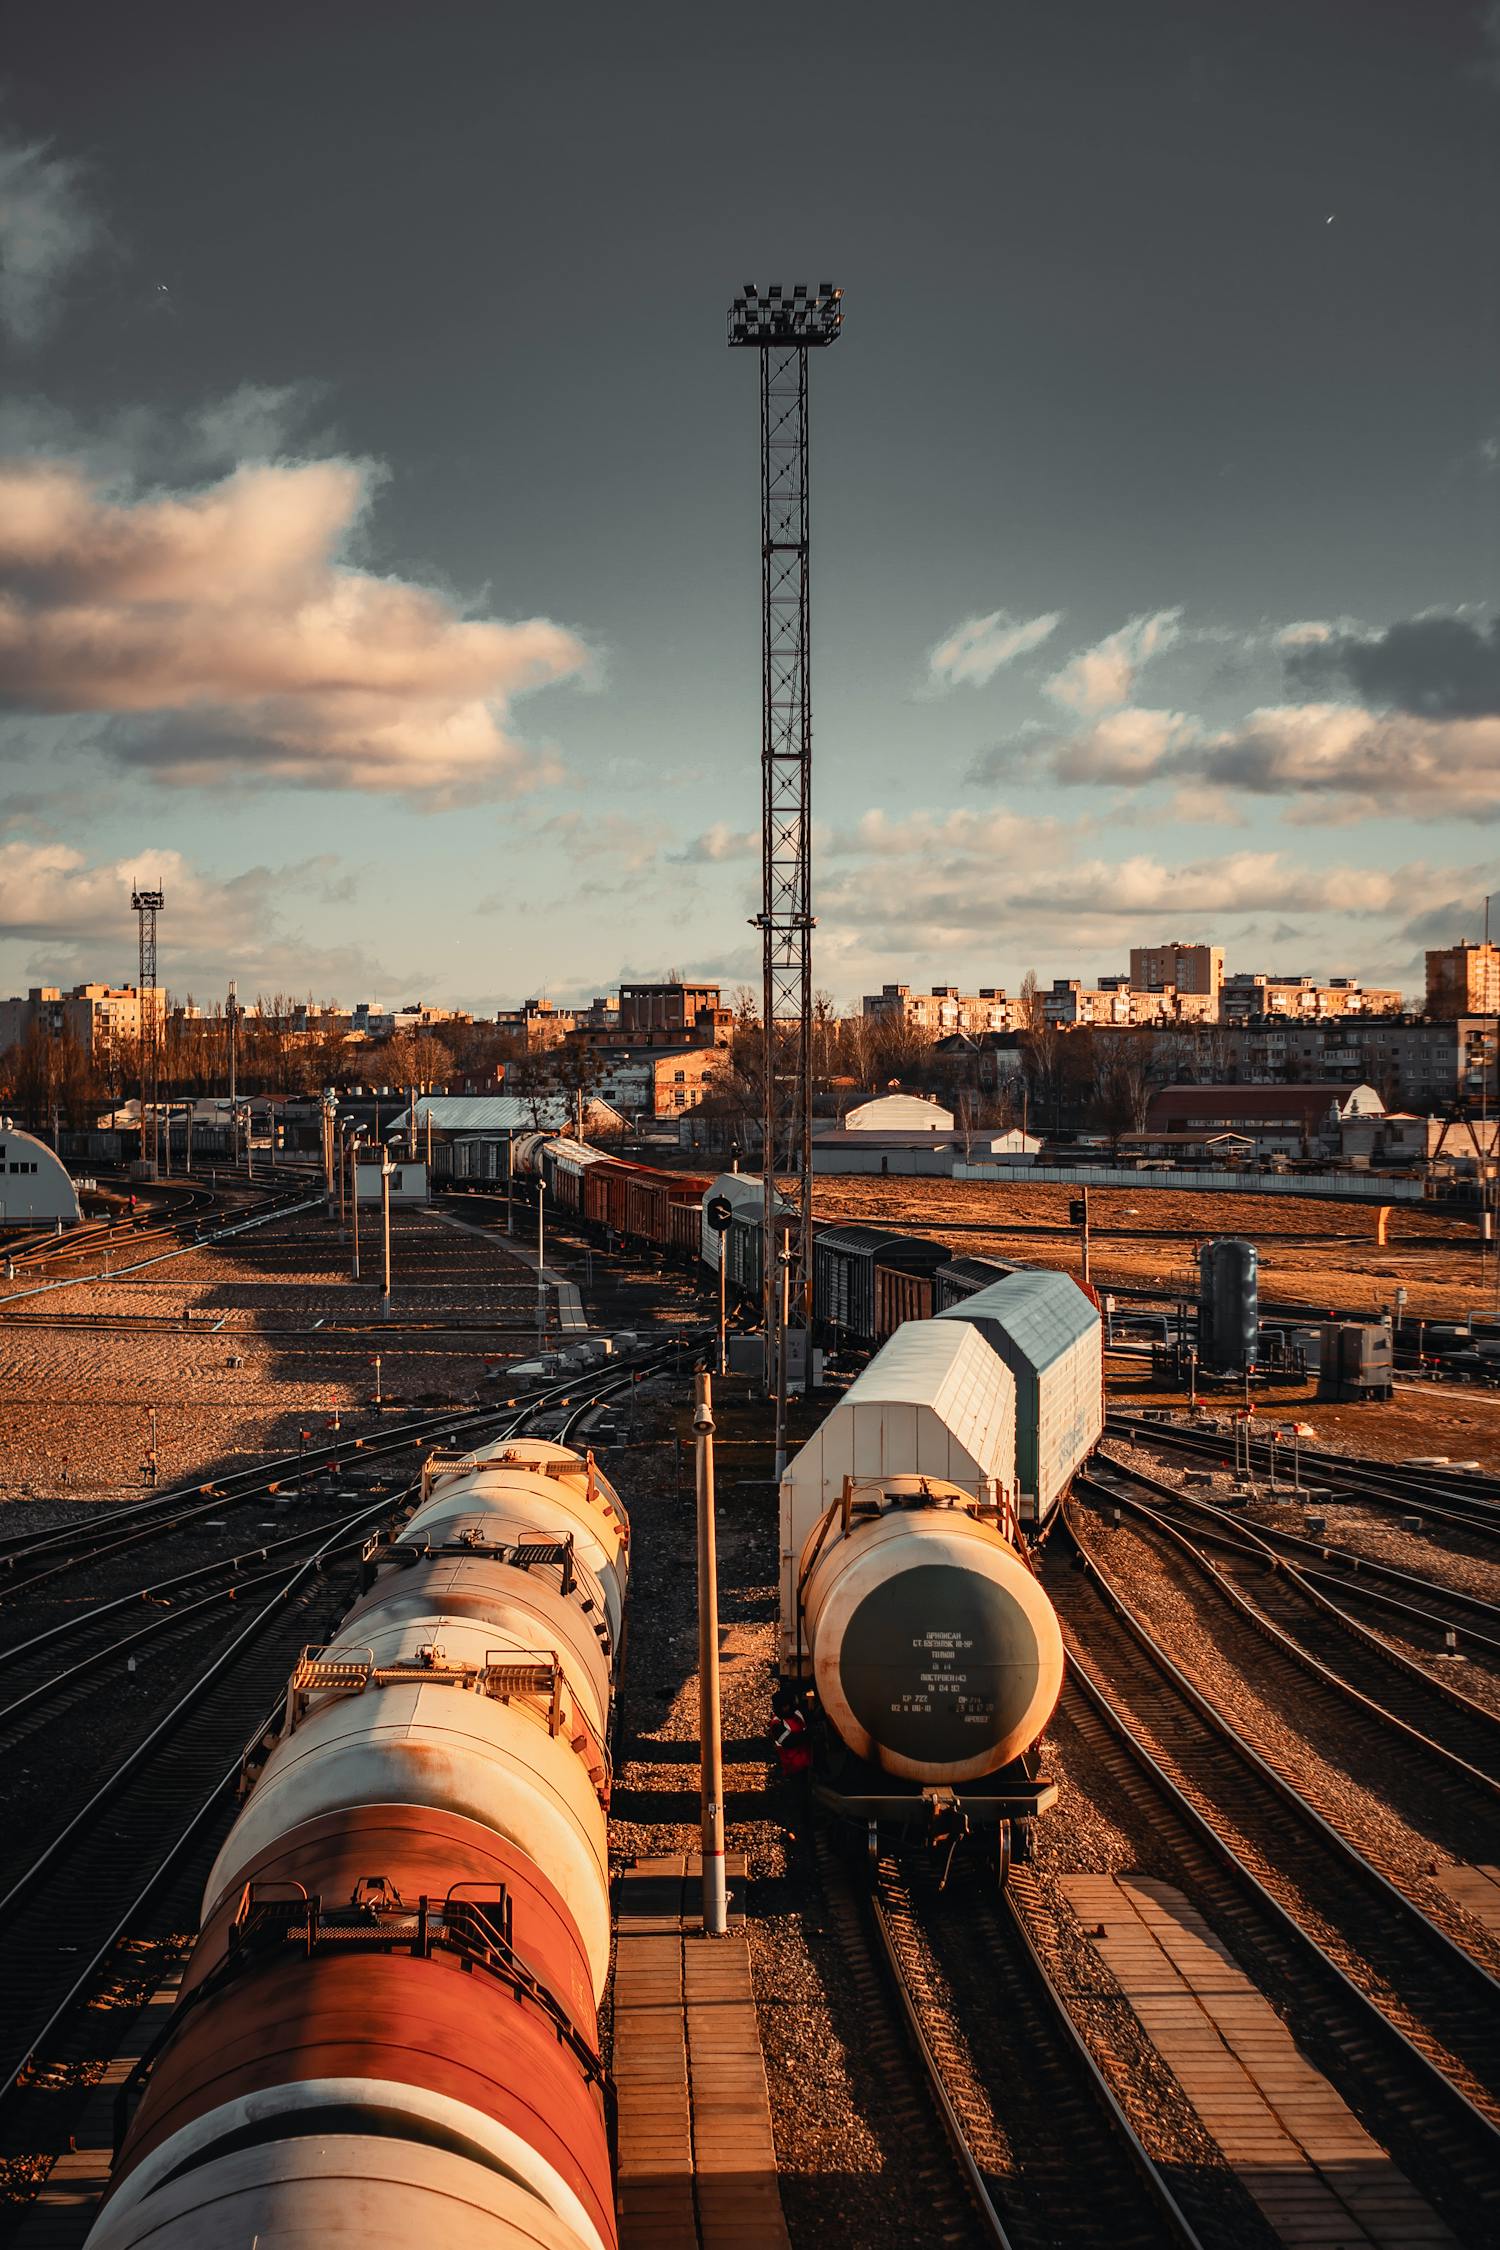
[935, 1401]
[34, 1186]
[898, 1113]
[1049, 1335]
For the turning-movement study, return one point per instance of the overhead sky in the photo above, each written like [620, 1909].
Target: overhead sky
[379, 516]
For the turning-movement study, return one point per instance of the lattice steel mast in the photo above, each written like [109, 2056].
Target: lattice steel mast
[147, 905]
[783, 325]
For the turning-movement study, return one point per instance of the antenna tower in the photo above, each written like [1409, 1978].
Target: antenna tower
[784, 325]
[147, 905]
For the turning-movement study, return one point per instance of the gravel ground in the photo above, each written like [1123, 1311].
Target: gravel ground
[1446, 1559]
[1359, 1780]
[246, 1369]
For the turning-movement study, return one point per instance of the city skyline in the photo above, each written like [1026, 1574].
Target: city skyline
[378, 549]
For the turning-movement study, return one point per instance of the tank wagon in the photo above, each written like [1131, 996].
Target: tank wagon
[388, 2028]
[913, 1629]
[1048, 1333]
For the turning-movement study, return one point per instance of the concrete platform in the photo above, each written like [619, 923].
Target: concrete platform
[67, 2204]
[1301, 2152]
[1477, 1889]
[697, 2159]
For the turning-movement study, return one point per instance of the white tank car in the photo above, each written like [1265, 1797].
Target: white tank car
[434, 1804]
[906, 1599]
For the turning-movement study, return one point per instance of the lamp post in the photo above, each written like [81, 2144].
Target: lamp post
[541, 1259]
[354, 1192]
[386, 1169]
[785, 1258]
[710, 1745]
[510, 1179]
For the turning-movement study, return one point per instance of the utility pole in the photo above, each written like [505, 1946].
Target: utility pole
[386, 1169]
[783, 325]
[147, 904]
[710, 1727]
[541, 1259]
[510, 1179]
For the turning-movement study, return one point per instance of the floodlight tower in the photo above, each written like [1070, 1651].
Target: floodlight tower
[147, 905]
[784, 325]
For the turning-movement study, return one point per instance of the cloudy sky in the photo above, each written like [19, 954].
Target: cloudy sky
[378, 500]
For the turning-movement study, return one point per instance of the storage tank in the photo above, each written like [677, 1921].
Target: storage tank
[1050, 1337]
[935, 1401]
[935, 1653]
[1228, 1305]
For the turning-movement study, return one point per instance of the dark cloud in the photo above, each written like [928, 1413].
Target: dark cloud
[1434, 667]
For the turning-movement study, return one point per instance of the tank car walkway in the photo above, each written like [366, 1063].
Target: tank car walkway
[697, 2165]
[1303, 2156]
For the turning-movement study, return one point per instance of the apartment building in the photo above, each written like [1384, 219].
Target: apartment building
[1198, 969]
[96, 1017]
[1116, 1002]
[943, 1010]
[674, 1007]
[1463, 980]
[1250, 993]
[1412, 1061]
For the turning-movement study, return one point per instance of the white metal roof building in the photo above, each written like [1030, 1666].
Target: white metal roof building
[926, 1405]
[34, 1185]
[897, 1113]
[469, 1115]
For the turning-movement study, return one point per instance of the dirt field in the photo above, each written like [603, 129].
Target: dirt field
[1314, 1252]
[255, 1342]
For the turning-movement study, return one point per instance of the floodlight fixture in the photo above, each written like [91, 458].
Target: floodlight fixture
[780, 319]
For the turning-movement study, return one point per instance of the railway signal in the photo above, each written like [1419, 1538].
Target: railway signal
[719, 1212]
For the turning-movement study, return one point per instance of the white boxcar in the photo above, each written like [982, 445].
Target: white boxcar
[934, 1401]
[1049, 1335]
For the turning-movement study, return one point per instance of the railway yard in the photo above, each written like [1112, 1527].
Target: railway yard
[1236, 1984]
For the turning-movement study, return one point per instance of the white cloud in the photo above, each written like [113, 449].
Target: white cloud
[716, 845]
[1105, 674]
[975, 651]
[73, 917]
[46, 229]
[227, 634]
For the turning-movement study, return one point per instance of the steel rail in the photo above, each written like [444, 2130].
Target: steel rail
[1289, 1553]
[1366, 1481]
[990, 2222]
[1454, 1767]
[1432, 2129]
[389, 1504]
[1475, 1991]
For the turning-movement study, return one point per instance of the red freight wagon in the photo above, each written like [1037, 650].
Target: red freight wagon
[685, 1228]
[900, 1296]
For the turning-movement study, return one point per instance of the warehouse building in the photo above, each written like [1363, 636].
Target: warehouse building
[34, 1186]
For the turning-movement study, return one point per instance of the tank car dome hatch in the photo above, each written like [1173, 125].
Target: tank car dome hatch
[934, 1401]
[1049, 1335]
[936, 1655]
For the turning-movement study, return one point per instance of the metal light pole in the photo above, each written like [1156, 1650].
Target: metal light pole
[723, 1341]
[784, 1258]
[510, 1179]
[541, 1259]
[710, 1742]
[782, 325]
[386, 1169]
[354, 1189]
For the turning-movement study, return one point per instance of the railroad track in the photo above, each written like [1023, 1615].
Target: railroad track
[1399, 2017]
[30, 1560]
[1417, 1607]
[279, 1205]
[1046, 2150]
[165, 1802]
[1453, 1502]
[1390, 1754]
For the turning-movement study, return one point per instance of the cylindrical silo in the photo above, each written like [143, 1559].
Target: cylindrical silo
[1228, 1305]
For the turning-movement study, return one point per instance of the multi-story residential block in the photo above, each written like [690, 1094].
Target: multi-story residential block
[1177, 967]
[1117, 1003]
[97, 1017]
[1463, 980]
[673, 1007]
[1250, 993]
[1413, 1062]
[943, 1010]
[658, 1082]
